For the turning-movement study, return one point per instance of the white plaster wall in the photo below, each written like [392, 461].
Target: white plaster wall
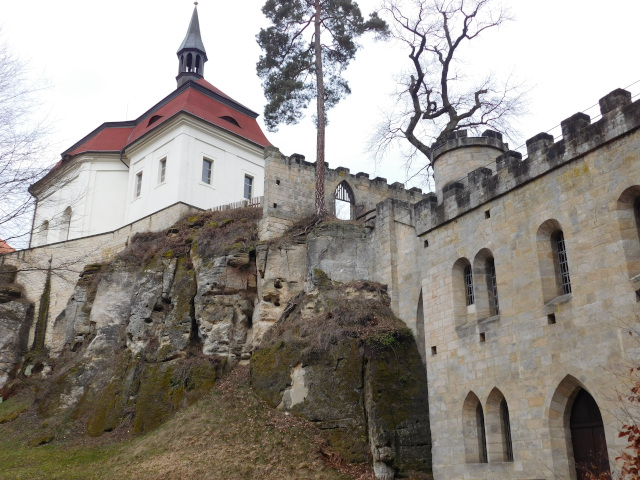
[93, 188]
[185, 143]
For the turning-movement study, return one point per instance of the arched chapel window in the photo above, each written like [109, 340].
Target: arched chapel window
[42, 233]
[65, 224]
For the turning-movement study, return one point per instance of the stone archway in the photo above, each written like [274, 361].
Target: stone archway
[587, 437]
[560, 414]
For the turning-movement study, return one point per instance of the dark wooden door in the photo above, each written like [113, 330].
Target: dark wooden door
[587, 436]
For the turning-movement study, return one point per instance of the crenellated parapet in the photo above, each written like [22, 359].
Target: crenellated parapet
[290, 191]
[508, 170]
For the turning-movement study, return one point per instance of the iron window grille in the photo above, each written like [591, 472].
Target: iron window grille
[563, 264]
[468, 284]
[492, 286]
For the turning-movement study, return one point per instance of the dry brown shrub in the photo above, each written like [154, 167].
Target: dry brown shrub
[358, 310]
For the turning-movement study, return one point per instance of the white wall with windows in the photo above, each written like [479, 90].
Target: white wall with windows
[84, 198]
[185, 160]
[192, 162]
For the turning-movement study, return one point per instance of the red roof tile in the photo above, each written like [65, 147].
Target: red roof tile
[5, 247]
[106, 140]
[116, 136]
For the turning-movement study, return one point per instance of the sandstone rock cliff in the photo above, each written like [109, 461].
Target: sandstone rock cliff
[155, 328]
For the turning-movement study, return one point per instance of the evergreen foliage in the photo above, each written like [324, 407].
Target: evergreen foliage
[306, 49]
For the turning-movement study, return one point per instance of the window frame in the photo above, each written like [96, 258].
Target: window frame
[561, 261]
[244, 193]
[492, 287]
[207, 162]
[137, 187]
[162, 170]
[468, 285]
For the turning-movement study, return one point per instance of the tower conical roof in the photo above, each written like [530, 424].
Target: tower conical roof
[193, 40]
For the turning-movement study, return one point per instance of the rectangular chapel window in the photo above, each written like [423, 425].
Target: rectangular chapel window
[162, 170]
[138, 184]
[248, 187]
[207, 166]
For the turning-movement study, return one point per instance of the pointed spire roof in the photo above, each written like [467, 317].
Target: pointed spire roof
[193, 40]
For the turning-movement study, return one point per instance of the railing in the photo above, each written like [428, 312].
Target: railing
[254, 202]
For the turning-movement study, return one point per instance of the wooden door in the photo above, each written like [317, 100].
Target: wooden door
[587, 436]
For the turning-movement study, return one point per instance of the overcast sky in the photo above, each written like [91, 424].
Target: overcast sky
[113, 60]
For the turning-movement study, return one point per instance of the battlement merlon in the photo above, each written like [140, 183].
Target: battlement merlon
[289, 191]
[509, 171]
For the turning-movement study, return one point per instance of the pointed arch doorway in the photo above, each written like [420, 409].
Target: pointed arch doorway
[587, 437]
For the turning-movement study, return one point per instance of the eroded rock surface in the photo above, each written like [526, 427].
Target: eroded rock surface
[340, 359]
[16, 317]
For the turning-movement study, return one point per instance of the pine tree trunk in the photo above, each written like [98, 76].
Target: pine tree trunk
[320, 207]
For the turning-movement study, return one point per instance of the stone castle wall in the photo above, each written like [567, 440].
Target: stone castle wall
[290, 185]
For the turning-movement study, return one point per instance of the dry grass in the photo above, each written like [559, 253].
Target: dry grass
[212, 233]
[358, 310]
[230, 434]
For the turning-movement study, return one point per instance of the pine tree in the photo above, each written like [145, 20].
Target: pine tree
[305, 50]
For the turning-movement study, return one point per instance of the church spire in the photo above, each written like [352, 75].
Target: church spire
[191, 54]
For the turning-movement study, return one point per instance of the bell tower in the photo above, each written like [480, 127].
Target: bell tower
[191, 54]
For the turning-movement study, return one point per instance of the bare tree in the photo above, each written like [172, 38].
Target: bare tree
[438, 95]
[22, 146]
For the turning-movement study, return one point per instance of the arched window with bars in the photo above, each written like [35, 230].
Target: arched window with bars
[344, 202]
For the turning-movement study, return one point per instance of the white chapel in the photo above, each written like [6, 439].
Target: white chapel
[197, 146]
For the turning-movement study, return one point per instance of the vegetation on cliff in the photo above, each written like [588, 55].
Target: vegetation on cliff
[340, 358]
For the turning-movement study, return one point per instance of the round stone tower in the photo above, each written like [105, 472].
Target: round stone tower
[459, 155]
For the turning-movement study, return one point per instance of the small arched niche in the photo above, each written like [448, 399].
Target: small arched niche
[462, 289]
[628, 212]
[42, 233]
[552, 260]
[344, 201]
[499, 443]
[473, 430]
[485, 284]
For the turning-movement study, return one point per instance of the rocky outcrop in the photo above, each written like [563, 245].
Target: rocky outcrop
[152, 331]
[16, 317]
[339, 358]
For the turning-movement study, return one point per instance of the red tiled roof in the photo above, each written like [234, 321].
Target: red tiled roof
[5, 247]
[115, 137]
[106, 140]
[206, 108]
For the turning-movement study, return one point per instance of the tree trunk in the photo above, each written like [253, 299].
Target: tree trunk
[320, 207]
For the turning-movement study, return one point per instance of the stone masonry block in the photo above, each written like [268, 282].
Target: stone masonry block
[539, 143]
[618, 98]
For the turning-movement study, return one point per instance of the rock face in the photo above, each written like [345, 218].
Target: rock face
[153, 330]
[16, 317]
[339, 358]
